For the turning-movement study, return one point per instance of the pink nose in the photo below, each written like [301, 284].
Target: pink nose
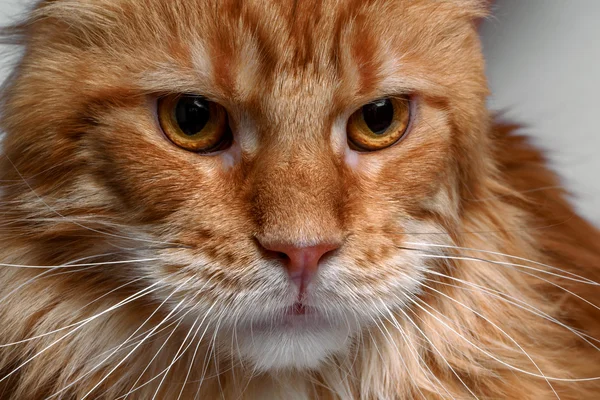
[302, 262]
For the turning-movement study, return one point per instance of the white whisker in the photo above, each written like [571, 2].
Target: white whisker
[85, 322]
[417, 355]
[79, 265]
[515, 302]
[496, 327]
[53, 210]
[119, 347]
[574, 277]
[177, 356]
[133, 350]
[75, 323]
[501, 361]
[390, 340]
[69, 264]
[409, 319]
[199, 340]
[506, 264]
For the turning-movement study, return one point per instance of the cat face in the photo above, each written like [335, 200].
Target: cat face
[335, 133]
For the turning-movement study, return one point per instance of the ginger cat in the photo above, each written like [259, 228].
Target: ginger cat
[276, 199]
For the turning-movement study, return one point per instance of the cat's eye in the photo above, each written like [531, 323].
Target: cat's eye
[194, 123]
[379, 124]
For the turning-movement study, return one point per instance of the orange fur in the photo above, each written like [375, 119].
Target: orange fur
[463, 272]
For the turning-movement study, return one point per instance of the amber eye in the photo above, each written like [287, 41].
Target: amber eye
[379, 124]
[194, 123]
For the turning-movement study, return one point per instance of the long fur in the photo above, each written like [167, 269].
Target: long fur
[130, 267]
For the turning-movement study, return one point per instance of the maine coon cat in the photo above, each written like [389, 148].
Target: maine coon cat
[266, 199]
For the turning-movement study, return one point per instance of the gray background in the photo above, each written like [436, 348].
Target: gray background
[543, 58]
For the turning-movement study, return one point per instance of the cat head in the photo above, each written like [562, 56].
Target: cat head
[270, 160]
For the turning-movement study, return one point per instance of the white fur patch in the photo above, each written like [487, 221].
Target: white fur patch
[248, 69]
[202, 62]
[296, 346]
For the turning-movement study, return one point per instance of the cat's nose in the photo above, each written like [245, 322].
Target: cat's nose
[301, 262]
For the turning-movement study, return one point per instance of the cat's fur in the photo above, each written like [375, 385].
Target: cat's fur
[464, 270]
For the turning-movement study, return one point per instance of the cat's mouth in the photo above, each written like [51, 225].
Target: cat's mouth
[297, 317]
[299, 308]
[295, 336]
[301, 315]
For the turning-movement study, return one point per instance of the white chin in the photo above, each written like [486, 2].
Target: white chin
[297, 344]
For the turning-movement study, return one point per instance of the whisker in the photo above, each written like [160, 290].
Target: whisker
[14, 182]
[134, 349]
[73, 324]
[199, 340]
[119, 347]
[496, 327]
[513, 301]
[103, 263]
[491, 231]
[180, 321]
[208, 355]
[179, 352]
[501, 263]
[48, 272]
[506, 264]
[176, 357]
[496, 358]
[391, 340]
[70, 220]
[134, 389]
[213, 346]
[409, 319]
[350, 369]
[139, 336]
[578, 278]
[134, 297]
[418, 358]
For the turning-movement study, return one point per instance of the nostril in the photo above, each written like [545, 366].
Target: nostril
[275, 255]
[281, 255]
[328, 254]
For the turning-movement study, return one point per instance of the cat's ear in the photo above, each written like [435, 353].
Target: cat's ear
[72, 10]
[76, 21]
[476, 9]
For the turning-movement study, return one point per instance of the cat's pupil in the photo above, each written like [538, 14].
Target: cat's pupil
[379, 115]
[192, 114]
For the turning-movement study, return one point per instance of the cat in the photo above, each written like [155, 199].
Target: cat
[276, 199]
